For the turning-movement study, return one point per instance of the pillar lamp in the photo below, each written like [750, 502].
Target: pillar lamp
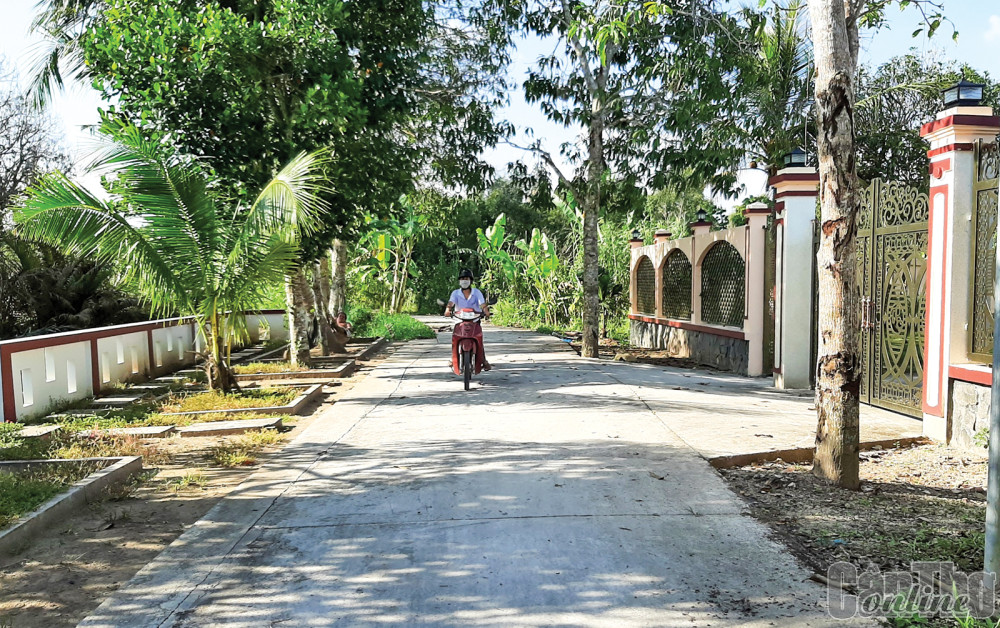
[963, 94]
[795, 159]
[702, 215]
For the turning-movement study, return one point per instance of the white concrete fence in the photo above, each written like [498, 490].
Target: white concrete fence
[40, 373]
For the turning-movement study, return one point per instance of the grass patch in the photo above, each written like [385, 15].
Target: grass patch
[98, 445]
[10, 434]
[241, 451]
[20, 493]
[368, 324]
[267, 367]
[194, 479]
[216, 400]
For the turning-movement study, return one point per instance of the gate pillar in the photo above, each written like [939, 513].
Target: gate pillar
[952, 136]
[796, 190]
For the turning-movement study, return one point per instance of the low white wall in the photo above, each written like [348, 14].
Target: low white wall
[122, 358]
[275, 322]
[46, 377]
[39, 374]
[173, 347]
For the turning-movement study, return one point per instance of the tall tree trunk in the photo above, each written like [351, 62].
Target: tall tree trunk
[591, 227]
[338, 284]
[298, 299]
[838, 376]
[320, 301]
[218, 375]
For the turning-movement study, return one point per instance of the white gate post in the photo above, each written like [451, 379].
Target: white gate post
[753, 325]
[796, 190]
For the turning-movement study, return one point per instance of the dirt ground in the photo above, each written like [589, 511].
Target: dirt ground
[926, 502]
[62, 577]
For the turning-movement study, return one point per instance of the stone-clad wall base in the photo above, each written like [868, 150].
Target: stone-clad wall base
[970, 412]
[725, 354]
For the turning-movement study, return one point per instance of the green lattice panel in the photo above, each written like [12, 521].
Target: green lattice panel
[984, 251]
[677, 286]
[722, 286]
[645, 287]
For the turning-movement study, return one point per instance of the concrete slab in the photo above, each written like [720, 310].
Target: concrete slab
[149, 389]
[153, 431]
[116, 401]
[171, 379]
[222, 428]
[550, 494]
[39, 431]
[79, 412]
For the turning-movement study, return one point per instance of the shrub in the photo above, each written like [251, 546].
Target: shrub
[368, 324]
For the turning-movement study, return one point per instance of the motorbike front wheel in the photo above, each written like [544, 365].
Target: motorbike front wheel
[467, 359]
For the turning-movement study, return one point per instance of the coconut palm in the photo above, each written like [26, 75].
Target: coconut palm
[782, 96]
[173, 241]
[60, 24]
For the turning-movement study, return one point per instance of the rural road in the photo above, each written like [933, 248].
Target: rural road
[555, 493]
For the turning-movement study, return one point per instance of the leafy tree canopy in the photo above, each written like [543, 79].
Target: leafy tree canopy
[893, 100]
[249, 84]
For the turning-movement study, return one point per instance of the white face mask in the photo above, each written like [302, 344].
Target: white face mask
[464, 283]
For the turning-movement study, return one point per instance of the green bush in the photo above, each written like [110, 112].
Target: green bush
[368, 324]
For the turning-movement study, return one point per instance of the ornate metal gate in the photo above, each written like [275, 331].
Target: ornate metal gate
[892, 277]
[984, 251]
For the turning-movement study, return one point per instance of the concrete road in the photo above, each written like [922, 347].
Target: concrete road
[552, 494]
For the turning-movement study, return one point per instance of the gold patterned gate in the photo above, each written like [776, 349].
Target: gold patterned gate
[892, 277]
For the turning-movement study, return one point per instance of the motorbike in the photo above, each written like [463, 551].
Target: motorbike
[466, 339]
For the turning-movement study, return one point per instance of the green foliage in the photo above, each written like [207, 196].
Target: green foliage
[386, 253]
[20, 493]
[630, 54]
[531, 272]
[172, 240]
[893, 100]
[397, 89]
[369, 324]
[982, 438]
[675, 208]
[781, 84]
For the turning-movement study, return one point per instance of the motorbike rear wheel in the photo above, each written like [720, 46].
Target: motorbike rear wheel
[467, 359]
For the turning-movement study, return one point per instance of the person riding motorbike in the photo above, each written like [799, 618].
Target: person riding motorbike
[465, 296]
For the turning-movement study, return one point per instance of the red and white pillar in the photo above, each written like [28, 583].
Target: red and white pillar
[952, 137]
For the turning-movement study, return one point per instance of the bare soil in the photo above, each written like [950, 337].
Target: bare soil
[926, 502]
[65, 575]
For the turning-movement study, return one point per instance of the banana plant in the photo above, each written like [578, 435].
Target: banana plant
[541, 265]
[388, 250]
[493, 249]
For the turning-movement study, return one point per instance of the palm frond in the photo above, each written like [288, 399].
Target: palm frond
[69, 217]
[294, 197]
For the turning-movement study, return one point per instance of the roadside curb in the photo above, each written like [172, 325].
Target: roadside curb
[805, 454]
[86, 490]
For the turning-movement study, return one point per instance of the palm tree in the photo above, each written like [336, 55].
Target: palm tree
[173, 241]
[61, 25]
[782, 96]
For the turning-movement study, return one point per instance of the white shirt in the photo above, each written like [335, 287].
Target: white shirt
[476, 301]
